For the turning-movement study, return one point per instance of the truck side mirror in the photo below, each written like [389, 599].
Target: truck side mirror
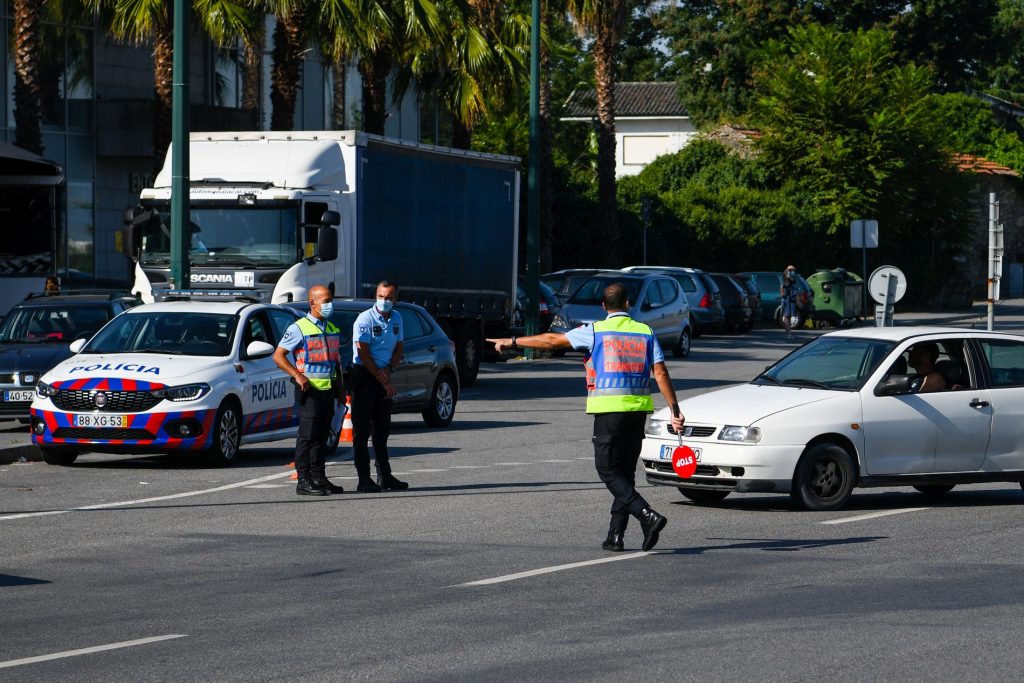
[330, 218]
[327, 243]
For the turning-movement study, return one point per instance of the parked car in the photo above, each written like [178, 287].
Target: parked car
[37, 333]
[770, 284]
[565, 282]
[753, 297]
[706, 312]
[656, 300]
[734, 301]
[426, 380]
[547, 307]
[842, 412]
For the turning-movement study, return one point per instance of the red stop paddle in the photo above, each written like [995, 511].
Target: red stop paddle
[684, 460]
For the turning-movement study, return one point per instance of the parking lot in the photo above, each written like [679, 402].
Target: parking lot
[490, 567]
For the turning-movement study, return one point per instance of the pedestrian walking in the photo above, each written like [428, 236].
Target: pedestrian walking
[789, 294]
[317, 375]
[620, 356]
[376, 352]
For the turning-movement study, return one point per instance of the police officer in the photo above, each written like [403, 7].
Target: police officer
[620, 354]
[376, 351]
[318, 382]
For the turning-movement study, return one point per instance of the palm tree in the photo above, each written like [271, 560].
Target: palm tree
[604, 21]
[28, 107]
[286, 73]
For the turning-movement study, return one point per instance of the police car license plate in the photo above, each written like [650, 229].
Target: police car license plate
[19, 395]
[101, 420]
[667, 450]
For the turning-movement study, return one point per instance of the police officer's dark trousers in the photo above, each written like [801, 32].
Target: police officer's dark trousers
[371, 417]
[316, 408]
[617, 441]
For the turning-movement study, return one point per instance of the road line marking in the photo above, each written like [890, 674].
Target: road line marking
[470, 467]
[871, 515]
[267, 486]
[555, 461]
[425, 471]
[513, 463]
[549, 570]
[89, 650]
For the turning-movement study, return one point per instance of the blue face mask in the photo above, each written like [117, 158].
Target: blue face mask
[326, 309]
[384, 305]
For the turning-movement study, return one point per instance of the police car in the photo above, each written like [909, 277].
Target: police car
[174, 376]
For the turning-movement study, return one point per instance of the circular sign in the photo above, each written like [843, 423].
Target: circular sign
[684, 461]
[878, 283]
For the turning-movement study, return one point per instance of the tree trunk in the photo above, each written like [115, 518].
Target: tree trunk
[375, 69]
[163, 72]
[286, 74]
[252, 78]
[607, 204]
[340, 69]
[547, 163]
[462, 136]
[28, 102]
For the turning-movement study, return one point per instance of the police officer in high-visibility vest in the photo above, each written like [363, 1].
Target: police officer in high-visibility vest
[620, 355]
[316, 343]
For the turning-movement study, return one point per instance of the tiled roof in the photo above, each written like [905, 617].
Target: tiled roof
[973, 164]
[631, 100]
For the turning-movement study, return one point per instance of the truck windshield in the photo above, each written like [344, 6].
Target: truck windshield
[227, 235]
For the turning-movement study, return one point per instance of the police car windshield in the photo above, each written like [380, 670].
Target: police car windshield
[190, 334]
[833, 363]
[64, 324]
[591, 293]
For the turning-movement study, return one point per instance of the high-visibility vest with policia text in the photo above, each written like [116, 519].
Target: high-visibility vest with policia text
[319, 355]
[619, 367]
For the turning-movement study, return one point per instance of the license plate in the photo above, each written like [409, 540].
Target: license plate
[20, 395]
[666, 452]
[101, 420]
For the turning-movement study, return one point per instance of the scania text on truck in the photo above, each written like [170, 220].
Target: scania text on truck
[273, 213]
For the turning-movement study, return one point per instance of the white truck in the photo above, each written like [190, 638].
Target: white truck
[273, 213]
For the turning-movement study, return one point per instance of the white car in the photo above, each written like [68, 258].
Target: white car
[182, 375]
[842, 411]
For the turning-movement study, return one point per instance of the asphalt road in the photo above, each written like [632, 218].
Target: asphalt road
[159, 569]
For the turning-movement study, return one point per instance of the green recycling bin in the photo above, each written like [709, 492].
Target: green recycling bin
[838, 296]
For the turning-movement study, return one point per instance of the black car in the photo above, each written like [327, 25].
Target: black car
[734, 301]
[35, 336]
[753, 295]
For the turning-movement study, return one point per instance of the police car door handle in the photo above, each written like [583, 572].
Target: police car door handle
[975, 403]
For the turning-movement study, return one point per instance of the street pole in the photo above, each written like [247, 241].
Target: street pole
[181, 235]
[533, 184]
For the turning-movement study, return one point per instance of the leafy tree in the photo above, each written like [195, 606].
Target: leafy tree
[967, 125]
[1007, 74]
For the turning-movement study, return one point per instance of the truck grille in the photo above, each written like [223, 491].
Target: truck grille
[102, 434]
[699, 432]
[117, 401]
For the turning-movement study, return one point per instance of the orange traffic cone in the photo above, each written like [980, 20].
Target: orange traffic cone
[346, 424]
[295, 475]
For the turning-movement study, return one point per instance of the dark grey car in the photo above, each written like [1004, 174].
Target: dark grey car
[706, 311]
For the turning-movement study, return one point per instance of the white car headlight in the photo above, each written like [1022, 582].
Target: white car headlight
[186, 392]
[44, 390]
[657, 427]
[734, 433]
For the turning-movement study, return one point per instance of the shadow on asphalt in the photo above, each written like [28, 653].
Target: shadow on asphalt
[776, 545]
[872, 502]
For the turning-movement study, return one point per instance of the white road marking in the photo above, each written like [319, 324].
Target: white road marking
[513, 463]
[428, 470]
[556, 461]
[89, 650]
[871, 515]
[470, 467]
[267, 486]
[550, 570]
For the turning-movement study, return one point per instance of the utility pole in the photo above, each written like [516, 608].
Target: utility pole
[181, 234]
[533, 185]
[995, 256]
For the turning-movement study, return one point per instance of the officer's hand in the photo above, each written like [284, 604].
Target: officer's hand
[383, 375]
[389, 389]
[500, 344]
[677, 422]
[303, 382]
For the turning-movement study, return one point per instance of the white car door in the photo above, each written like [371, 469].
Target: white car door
[1005, 361]
[268, 397]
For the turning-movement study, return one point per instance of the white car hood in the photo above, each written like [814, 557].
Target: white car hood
[149, 367]
[745, 404]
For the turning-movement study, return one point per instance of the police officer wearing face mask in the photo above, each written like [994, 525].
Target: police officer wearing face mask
[376, 351]
[318, 381]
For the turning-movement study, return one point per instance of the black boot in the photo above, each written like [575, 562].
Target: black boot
[324, 483]
[652, 523]
[306, 487]
[614, 541]
[367, 486]
[388, 482]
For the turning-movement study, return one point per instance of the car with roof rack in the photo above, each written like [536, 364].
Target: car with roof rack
[186, 376]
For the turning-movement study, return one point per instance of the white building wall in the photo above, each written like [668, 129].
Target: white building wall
[638, 141]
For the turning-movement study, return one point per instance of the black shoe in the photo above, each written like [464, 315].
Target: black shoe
[305, 487]
[389, 483]
[613, 542]
[367, 486]
[652, 523]
[325, 484]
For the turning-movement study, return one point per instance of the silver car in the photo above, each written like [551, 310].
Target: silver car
[656, 300]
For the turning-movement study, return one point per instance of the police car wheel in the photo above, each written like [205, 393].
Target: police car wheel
[226, 435]
[702, 497]
[441, 409]
[824, 478]
[55, 456]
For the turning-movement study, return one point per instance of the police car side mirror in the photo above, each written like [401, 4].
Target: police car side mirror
[258, 349]
[77, 345]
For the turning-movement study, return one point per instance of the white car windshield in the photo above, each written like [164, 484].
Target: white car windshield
[832, 363]
[187, 334]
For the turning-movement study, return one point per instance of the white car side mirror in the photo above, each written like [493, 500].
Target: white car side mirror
[77, 345]
[258, 349]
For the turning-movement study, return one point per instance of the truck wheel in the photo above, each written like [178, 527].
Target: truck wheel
[443, 396]
[58, 456]
[467, 353]
[702, 497]
[824, 478]
[227, 435]
[682, 348]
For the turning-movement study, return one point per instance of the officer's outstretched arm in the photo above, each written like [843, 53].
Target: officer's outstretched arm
[548, 340]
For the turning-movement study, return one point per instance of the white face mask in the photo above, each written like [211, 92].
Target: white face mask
[384, 305]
